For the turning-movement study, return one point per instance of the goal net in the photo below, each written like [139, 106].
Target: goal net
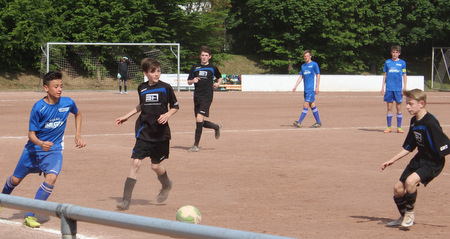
[94, 66]
[440, 76]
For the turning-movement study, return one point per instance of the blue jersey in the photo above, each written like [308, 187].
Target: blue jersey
[309, 71]
[49, 122]
[395, 71]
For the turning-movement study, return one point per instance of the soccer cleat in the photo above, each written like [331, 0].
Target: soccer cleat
[400, 130]
[388, 130]
[194, 148]
[120, 92]
[217, 131]
[31, 222]
[164, 193]
[126, 92]
[408, 220]
[395, 223]
[316, 125]
[123, 205]
[297, 124]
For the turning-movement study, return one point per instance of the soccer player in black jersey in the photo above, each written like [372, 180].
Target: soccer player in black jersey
[202, 75]
[425, 134]
[157, 103]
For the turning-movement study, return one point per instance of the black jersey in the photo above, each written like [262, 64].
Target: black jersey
[155, 100]
[427, 136]
[123, 69]
[204, 88]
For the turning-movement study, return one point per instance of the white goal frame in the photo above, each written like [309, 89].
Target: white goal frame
[440, 69]
[177, 54]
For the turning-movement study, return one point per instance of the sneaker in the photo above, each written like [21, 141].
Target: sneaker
[31, 222]
[217, 131]
[120, 92]
[164, 193]
[297, 124]
[123, 205]
[400, 130]
[395, 223]
[388, 130]
[126, 92]
[316, 125]
[194, 148]
[408, 220]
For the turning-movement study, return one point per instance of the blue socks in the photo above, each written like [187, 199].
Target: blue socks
[316, 114]
[389, 120]
[399, 120]
[303, 115]
[42, 193]
[305, 112]
[9, 186]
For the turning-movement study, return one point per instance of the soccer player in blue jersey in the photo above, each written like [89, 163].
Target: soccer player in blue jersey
[394, 71]
[157, 103]
[310, 74]
[202, 76]
[43, 151]
[425, 134]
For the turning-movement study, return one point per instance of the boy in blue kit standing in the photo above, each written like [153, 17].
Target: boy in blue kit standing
[310, 73]
[394, 71]
[157, 103]
[425, 134]
[43, 152]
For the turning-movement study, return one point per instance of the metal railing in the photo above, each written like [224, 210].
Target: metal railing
[70, 214]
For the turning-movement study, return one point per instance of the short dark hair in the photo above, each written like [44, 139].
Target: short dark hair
[205, 49]
[51, 75]
[396, 48]
[307, 51]
[149, 64]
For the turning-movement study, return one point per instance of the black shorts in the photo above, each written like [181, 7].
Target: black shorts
[202, 107]
[423, 168]
[157, 151]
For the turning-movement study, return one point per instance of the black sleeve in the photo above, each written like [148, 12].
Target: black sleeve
[440, 139]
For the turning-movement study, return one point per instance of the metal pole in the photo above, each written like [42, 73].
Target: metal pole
[432, 67]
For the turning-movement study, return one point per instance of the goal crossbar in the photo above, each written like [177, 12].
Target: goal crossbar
[176, 54]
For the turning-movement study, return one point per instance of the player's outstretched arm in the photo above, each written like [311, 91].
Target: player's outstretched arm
[124, 118]
[300, 78]
[394, 159]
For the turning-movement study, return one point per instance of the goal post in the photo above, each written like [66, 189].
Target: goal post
[94, 65]
[440, 68]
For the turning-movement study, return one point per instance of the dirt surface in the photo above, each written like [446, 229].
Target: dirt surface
[263, 175]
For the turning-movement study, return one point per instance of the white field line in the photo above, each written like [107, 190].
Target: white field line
[46, 230]
[226, 131]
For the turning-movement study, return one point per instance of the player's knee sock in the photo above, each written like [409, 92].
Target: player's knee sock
[125, 88]
[389, 120]
[9, 186]
[198, 132]
[410, 199]
[42, 193]
[128, 190]
[401, 205]
[399, 120]
[303, 115]
[210, 125]
[316, 114]
[120, 88]
[164, 180]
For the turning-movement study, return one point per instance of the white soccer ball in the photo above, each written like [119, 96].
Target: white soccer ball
[189, 214]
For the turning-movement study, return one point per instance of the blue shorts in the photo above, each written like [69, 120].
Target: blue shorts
[391, 96]
[310, 96]
[47, 162]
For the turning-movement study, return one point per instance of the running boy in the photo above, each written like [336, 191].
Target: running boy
[311, 73]
[202, 76]
[43, 151]
[152, 129]
[394, 70]
[432, 144]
